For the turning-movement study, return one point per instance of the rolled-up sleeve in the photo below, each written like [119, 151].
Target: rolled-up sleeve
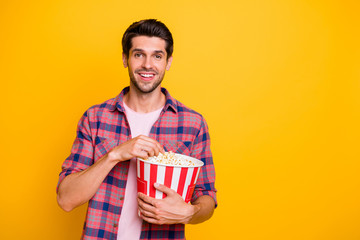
[81, 156]
[205, 184]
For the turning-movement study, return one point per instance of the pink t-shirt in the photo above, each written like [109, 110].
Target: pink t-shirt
[129, 222]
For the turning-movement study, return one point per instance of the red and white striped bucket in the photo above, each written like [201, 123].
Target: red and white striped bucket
[181, 179]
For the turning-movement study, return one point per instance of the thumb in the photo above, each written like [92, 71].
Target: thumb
[164, 189]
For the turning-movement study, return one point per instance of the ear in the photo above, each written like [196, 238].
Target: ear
[168, 64]
[124, 59]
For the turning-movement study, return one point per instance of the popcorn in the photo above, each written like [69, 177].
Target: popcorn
[170, 158]
[176, 171]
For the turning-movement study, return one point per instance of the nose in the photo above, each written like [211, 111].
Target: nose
[147, 62]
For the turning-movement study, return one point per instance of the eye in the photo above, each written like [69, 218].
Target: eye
[158, 57]
[137, 55]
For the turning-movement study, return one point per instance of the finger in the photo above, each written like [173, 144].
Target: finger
[159, 147]
[164, 189]
[141, 153]
[146, 199]
[162, 150]
[151, 220]
[147, 209]
[144, 212]
[156, 151]
[151, 147]
[147, 213]
[147, 151]
[156, 145]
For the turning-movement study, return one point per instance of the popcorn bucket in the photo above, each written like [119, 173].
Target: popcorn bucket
[182, 179]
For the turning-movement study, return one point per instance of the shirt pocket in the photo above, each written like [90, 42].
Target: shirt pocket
[103, 146]
[177, 147]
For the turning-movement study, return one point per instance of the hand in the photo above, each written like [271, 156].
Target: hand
[140, 146]
[170, 210]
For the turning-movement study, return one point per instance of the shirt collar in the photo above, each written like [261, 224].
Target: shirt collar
[117, 103]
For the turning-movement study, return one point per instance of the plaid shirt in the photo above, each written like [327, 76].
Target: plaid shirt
[102, 127]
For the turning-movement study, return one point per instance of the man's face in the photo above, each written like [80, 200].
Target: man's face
[147, 63]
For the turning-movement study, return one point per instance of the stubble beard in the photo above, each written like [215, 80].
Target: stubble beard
[147, 87]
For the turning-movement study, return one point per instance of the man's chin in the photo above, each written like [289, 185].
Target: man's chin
[146, 88]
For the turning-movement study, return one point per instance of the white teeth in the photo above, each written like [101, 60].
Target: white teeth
[146, 75]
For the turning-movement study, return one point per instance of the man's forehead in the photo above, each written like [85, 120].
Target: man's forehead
[145, 43]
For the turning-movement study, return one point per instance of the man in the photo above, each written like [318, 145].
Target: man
[142, 121]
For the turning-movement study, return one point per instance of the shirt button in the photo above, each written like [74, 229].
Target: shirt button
[121, 198]
[115, 225]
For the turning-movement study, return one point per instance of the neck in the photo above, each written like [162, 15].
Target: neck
[144, 102]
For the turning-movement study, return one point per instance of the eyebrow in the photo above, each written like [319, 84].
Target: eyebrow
[141, 50]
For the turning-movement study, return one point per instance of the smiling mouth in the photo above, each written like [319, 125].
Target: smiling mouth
[147, 75]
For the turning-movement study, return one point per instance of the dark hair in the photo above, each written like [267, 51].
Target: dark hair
[150, 28]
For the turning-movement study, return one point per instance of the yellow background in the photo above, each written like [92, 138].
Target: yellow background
[277, 81]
